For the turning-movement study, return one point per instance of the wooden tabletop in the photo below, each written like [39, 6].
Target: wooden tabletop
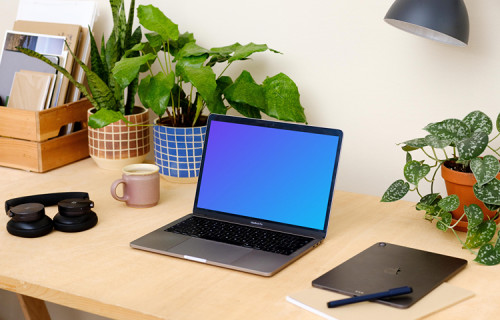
[97, 271]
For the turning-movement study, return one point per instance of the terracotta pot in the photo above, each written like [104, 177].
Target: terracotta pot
[118, 144]
[178, 152]
[461, 183]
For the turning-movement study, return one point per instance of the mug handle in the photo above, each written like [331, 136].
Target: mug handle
[113, 190]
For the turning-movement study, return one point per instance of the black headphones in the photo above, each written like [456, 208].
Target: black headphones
[28, 219]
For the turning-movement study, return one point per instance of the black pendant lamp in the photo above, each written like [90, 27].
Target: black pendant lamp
[445, 21]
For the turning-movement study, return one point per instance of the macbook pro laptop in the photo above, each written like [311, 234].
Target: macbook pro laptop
[385, 266]
[263, 197]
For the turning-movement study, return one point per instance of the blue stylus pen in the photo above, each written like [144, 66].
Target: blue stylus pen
[372, 296]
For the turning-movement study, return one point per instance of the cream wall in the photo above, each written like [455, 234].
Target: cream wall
[354, 71]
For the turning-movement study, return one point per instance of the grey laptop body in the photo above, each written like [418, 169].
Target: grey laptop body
[263, 196]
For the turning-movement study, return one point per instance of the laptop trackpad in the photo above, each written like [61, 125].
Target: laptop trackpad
[210, 250]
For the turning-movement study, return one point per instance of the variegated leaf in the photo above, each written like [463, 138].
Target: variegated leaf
[435, 142]
[479, 121]
[416, 143]
[485, 169]
[415, 171]
[450, 129]
[488, 193]
[396, 191]
[481, 234]
[474, 215]
[472, 147]
[449, 203]
[488, 255]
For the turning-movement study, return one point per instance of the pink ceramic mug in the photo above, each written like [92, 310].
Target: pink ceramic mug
[141, 185]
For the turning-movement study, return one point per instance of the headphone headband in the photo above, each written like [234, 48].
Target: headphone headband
[47, 199]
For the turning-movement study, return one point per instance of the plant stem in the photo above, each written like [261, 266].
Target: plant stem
[498, 135]
[199, 108]
[494, 150]
[463, 244]
[220, 75]
[433, 158]
[434, 175]
[445, 154]
[453, 226]
[168, 51]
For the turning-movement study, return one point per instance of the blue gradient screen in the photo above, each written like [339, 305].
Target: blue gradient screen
[267, 173]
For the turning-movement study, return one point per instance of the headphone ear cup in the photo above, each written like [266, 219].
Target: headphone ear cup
[75, 224]
[32, 229]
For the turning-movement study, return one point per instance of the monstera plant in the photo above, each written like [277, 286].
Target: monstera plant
[182, 82]
[465, 146]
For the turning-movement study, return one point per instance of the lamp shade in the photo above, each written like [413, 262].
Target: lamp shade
[445, 21]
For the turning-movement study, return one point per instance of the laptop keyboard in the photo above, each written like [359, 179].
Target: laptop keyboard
[244, 236]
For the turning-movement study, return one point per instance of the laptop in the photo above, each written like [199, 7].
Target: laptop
[385, 266]
[263, 196]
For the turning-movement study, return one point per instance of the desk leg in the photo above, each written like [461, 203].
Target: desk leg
[33, 308]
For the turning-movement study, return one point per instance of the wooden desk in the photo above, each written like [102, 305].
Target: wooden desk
[96, 270]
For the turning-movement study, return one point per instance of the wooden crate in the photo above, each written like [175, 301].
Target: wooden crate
[29, 139]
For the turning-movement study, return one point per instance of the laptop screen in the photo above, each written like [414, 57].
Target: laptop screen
[267, 170]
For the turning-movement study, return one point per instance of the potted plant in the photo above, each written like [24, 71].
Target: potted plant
[182, 84]
[113, 143]
[467, 156]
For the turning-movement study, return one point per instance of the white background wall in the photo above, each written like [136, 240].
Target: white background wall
[378, 84]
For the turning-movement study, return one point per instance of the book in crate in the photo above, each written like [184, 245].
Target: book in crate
[31, 140]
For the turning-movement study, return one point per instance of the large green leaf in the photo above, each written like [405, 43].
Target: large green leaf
[474, 215]
[221, 54]
[488, 255]
[103, 117]
[488, 193]
[243, 52]
[481, 234]
[154, 92]
[155, 41]
[246, 110]
[479, 121]
[396, 191]
[191, 49]
[283, 99]
[469, 148]
[127, 69]
[192, 62]
[453, 130]
[415, 171]
[153, 19]
[203, 79]
[485, 169]
[449, 203]
[245, 90]
[226, 50]
[174, 46]
[222, 83]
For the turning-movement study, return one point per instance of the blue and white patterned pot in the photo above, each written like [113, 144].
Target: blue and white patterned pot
[178, 152]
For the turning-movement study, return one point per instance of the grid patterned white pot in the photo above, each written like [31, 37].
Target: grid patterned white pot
[118, 144]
